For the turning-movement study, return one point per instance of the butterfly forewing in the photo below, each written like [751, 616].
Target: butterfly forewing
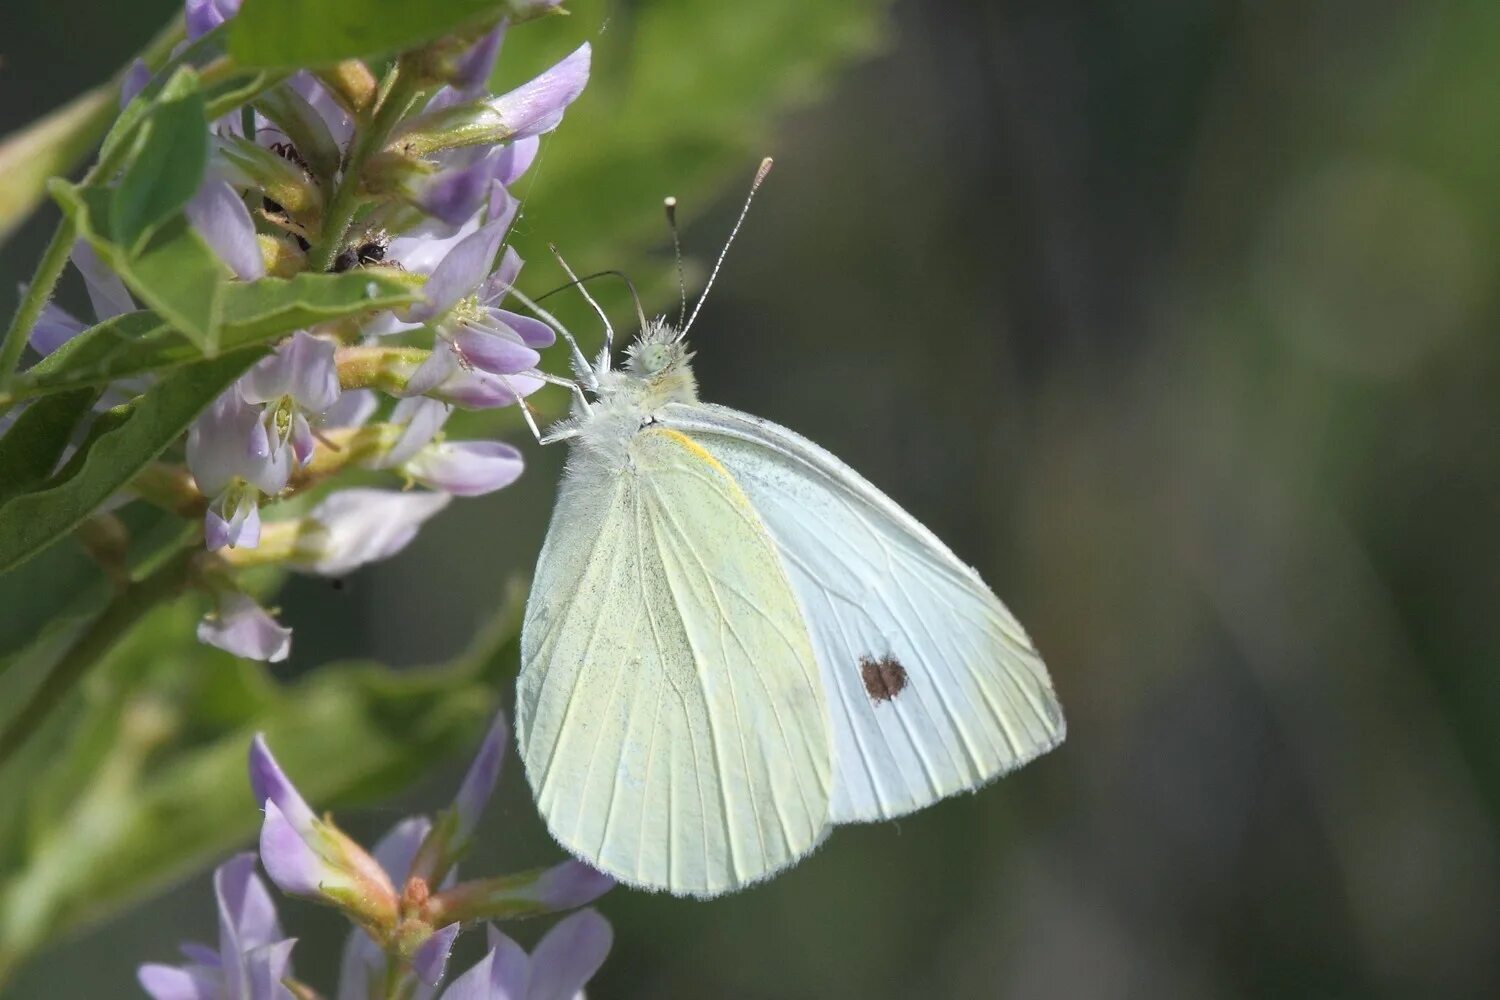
[932, 685]
[670, 710]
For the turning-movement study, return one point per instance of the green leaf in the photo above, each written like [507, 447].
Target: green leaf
[259, 309]
[31, 449]
[294, 33]
[255, 312]
[175, 273]
[32, 521]
[166, 162]
[200, 52]
[304, 129]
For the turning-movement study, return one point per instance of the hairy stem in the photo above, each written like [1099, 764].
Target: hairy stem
[397, 92]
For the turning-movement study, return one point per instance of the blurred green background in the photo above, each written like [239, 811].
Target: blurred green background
[1175, 318]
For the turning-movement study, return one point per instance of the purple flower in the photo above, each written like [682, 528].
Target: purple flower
[310, 857]
[446, 377]
[54, 328]
[462, 468]
[479, 783]
[354, 409]
[529, 110]
[481, 347]
[229, 467]
[251, 439]
[203, 16]
[472, 73]
[107, 295]
[240, 626]
[464, 268]
[456, 192]
[219, 215]
[298, 381]
[137, 75]
[252, 957]
[421, 419]
[537, 106]
[564, 960]
[466, 468]
[354, 527]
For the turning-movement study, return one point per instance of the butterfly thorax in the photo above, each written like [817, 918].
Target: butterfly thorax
[657, 371]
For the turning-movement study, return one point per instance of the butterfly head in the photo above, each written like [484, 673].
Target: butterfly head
[658, 351]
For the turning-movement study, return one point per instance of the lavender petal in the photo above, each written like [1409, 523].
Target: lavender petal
[269, 783]
[461, 271]
[168, 982]
[221, 218]
[423, 419]
[568, 956]
[244, 628]
[479, 782]
[466, 468]
[430, 960]
[537, 106]
[293, 865]
[500, 352]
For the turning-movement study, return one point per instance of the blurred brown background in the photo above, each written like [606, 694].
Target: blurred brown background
[1177, 319]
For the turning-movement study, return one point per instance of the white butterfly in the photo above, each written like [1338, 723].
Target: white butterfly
[734, 642]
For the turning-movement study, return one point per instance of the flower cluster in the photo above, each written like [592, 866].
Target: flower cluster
[404, 899]
[407, 177]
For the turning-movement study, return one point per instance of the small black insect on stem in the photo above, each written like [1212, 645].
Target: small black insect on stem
[370, 250]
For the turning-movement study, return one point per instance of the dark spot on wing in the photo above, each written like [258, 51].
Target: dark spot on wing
[884, 677]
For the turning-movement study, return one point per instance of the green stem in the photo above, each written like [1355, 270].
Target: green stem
[48, 270]
[123, 613]
[397, 92]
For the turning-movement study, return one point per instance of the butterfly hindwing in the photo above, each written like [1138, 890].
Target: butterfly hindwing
[932, 685]
[670, 711]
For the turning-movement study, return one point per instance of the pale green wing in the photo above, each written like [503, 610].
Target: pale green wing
[933, 686]
[669, 710]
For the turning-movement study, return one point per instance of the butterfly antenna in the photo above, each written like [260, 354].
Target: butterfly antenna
[760, 175]
[609, 331]
[670, 204]
[635, 296]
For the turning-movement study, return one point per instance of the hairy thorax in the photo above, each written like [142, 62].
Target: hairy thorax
[657, 372]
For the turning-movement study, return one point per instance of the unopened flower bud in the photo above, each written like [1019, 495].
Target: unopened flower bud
[285, 184]
[531, 109]
[308, 856]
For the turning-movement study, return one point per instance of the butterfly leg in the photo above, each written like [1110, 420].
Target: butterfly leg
[574, 387]
[551, 437]
[584, 370]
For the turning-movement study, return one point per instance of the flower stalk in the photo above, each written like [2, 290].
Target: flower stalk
[397, 92]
